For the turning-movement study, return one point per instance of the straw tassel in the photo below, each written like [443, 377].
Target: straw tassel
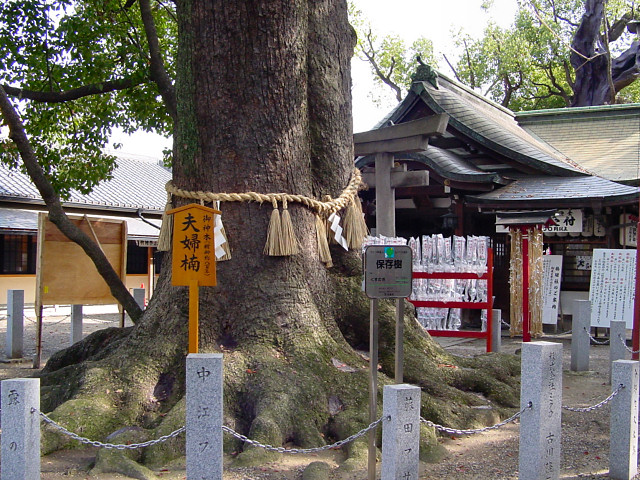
[166, 229]
[272, 246]
[288, 240]
[355, 228]
[323, 244]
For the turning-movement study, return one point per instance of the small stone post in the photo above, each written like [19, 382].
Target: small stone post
[15, 323]
[138, 296]
[20, 444]
[580, 340]
[617, 343]
[540, 432]
[623, 450]
[496, 334]
[400, 434]
[76, 323]
[204, 416]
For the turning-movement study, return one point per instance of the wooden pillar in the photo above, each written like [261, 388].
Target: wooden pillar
[385, 196]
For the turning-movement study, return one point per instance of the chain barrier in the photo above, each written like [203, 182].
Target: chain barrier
[594, 340]
[455, 431]
[624, 342]
[95, 443]
[335, 445]
[239, 436]
[597, 405]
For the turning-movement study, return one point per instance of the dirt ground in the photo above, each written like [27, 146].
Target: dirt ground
[490, 455]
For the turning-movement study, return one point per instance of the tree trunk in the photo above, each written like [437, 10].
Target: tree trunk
[590, 60]
[264, 105]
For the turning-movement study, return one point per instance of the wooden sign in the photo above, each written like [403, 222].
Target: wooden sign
[193, 246]
[194, 259]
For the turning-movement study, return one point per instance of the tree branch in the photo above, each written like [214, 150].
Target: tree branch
[158, 72]
[455, 73]
[376, 68]
[74, 93]
[56, 213]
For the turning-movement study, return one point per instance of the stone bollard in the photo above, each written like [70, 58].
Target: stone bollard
[20, 444]
[76, 323]
[138, 296]
[540, 432]
[496, 333]
[580, 339]
[623, 450]
[15, 323]
[617, 343]
[400, 434]
[204, 416]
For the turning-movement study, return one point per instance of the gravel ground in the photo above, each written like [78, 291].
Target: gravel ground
[490, 455]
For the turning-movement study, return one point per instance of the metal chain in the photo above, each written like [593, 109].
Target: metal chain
[597, 405]
[505, 323]
[624, 342]
[455, 431]
[95, 443]
[606, 342]
[337, 444]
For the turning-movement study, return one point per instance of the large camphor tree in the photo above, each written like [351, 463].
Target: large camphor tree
[260, 102]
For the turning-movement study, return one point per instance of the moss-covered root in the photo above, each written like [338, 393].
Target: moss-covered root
[124, 462]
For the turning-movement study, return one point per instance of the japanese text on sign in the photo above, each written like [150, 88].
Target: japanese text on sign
[193, 246]
[388, 271]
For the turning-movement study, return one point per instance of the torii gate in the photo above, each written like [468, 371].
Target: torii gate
[408, 137]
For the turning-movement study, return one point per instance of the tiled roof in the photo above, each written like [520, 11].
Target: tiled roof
[604, 139]
[494, 127]
[135, 184]
[559, 189]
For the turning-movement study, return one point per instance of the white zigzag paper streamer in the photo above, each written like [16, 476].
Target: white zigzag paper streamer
[334, 219]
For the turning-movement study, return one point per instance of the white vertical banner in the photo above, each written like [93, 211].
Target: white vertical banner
[612, 290]
[551, 278]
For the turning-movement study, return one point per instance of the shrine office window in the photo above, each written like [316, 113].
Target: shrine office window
[137, 259]
[18, 254]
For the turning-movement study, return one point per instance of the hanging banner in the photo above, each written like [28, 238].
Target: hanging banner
[612, 291]
[565, 221]
[629, 230]
[551, 278]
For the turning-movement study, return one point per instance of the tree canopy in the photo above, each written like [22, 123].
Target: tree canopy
[81, 68]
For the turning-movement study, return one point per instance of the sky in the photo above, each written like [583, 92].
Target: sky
[433, 19]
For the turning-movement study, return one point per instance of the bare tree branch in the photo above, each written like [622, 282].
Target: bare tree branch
[74, 93]
[158, 71]
[386, 78]
[455, 72]
[56, 213]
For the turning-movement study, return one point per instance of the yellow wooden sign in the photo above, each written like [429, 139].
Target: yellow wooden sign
[193, 246]
[194, 258]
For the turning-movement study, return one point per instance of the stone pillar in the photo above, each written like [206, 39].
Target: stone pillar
[540, 431]
[15, 324]
[20, 445]
[400, 434]
[580, 339]
[623, 450]
[496, 333]
[617, 343]
[139, 296]
[204, 416]
[76, 323]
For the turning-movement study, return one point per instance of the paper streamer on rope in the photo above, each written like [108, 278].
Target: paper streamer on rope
[334, 225]
[220, 238]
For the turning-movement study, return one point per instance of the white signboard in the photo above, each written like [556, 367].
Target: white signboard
[565, 221]
[612, 290]
[551, 277]
[583, 262]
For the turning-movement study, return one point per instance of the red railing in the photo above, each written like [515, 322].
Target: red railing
[488, 305]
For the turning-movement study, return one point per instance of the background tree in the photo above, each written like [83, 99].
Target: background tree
[392, 62]
[557, 53]
[261, 103]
